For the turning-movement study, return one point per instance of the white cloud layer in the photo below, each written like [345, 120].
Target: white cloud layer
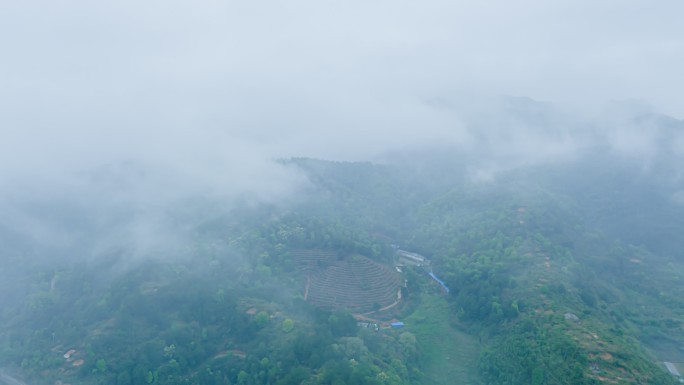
[208, 93]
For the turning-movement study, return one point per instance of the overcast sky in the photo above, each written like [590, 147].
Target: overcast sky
[209, 87]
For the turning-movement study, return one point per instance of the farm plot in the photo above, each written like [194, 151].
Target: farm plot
[355, 283]
[309, 260]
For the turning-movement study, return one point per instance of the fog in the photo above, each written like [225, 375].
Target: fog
[131, 107]
[181, 180]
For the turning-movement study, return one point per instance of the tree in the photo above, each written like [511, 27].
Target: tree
[101, 365]
[242, 377]
[150, 377]
[409, 344]
[261, 319]
[288, 325]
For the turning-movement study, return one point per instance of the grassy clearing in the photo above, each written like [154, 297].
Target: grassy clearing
[449, 356]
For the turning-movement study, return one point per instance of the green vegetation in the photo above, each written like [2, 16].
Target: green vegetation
[539, 292]
[448, 355]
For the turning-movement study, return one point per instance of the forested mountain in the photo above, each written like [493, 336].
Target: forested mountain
[341, 192]
[558, 273]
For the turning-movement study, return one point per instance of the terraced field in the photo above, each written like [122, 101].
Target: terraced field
[311, 260]
[355, 283]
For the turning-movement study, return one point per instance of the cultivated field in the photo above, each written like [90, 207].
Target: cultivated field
[354, 283]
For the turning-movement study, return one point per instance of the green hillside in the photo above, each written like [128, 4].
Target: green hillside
[540, 292]
[448, 355]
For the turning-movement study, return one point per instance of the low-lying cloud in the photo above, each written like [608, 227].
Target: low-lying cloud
[135, 107]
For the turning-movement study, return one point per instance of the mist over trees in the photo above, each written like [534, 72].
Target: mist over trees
[558, 272]
[227, 192]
